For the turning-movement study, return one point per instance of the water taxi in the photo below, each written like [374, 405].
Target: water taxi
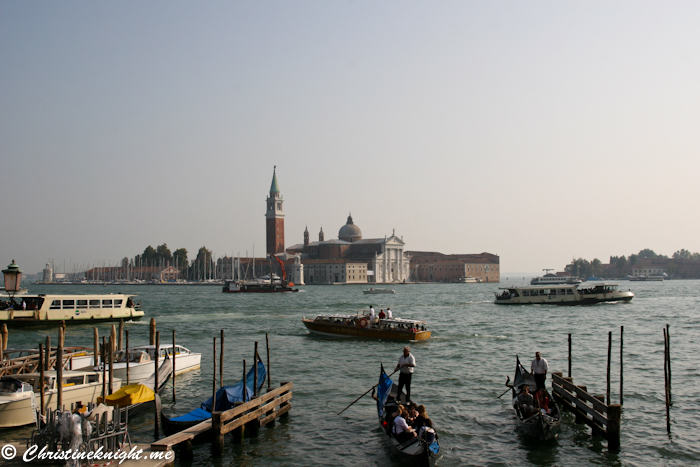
[20, 397]
[573, 294]
[46, 309]
[185, 360]
[358, 325]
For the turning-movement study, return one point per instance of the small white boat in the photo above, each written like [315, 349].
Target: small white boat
[377, 291]
[143, 366]
[467, 280]
[20, 397]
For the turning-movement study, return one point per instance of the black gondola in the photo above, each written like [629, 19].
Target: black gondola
[542, 423]
[418, 450]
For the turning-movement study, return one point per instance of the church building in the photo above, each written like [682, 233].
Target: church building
[351, 258]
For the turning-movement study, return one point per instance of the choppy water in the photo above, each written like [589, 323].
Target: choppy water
[460, 370]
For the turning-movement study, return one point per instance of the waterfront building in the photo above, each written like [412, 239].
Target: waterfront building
[428, 266]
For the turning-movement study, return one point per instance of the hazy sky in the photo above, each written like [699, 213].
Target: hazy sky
[539, 131]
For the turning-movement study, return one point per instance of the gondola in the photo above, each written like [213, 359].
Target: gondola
[544, 422]
[226, 397]
[417, 451]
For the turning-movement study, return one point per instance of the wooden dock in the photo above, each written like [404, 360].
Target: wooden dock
[253, 414]
[591, 410]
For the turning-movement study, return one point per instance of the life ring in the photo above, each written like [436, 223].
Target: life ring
[363, 322]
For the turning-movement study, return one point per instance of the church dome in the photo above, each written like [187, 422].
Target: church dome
[350, 232]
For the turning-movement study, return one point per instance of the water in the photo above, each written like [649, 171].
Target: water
[460, 370]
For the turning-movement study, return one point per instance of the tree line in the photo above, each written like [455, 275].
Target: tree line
[680, 265]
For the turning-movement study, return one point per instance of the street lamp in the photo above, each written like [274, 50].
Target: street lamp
[13, 276]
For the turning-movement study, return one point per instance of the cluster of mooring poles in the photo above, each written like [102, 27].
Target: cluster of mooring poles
[595, 411]
[246, 416]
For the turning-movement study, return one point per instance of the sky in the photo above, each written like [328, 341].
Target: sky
[539, 131]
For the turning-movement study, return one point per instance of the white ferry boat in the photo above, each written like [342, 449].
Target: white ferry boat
[378, 291]
[551, 279]
[45, 309]
[573, 294]
[467, 280]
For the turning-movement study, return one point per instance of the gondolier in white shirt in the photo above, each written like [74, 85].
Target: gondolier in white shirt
[539, 369]
[407, 363]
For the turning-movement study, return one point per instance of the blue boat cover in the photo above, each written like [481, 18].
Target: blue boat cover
[383, 390]
[228, 395]
[197, 415]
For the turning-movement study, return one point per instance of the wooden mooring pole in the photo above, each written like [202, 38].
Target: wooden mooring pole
[152, 332]
[666, 384]
[213, 395]
[59, 371]
[47, 359]
[5, 337]
[155, 384]
[110, 360]
[569, 355]
[221, 360]
[121, 334]
[174, 353]
[103, 351]
[127, 357]
[96, 347]
[41, 378]
[622, 332]
[607, 392]
[668, 358]
[267, 344]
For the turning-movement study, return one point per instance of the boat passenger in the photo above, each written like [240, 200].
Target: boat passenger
[372, 317]
[419, 419]
[427, 432]
[526, 401]
[402, 432]
[388, 313]
[382, 315]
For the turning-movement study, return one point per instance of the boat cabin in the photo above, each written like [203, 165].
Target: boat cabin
[70, 378]
[163, 350]
[134, 356]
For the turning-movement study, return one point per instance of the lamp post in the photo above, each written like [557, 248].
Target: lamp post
[13, 276]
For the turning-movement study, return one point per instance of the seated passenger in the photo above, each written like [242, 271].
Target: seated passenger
[526, 401]
[419, 420]
[402, 432]
[427, 432]
[382, 315]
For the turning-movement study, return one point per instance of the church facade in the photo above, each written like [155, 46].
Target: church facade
[352, 259]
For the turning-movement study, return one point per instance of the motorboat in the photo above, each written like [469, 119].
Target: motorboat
[358, 325]
[43, 309]
[467, 280]
[20, 397]
[378, 291]
[185, 360]
[575, 294]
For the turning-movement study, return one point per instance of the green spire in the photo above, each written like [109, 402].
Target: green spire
[274, 188]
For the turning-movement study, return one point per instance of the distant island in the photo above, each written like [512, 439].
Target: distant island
[681, 265]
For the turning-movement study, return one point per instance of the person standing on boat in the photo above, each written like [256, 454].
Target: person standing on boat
[372, 316]
[407, 363]
[539, 369]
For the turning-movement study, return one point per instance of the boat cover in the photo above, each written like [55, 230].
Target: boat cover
[130, 395]
[383, 390]
[164, 373]
[228, 395]
[197, 415]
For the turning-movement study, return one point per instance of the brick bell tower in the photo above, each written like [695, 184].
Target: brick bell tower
[274, 218]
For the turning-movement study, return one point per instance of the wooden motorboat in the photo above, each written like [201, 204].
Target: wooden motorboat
[359, 325]
[185, 360]
[418, 450]
[543, 423]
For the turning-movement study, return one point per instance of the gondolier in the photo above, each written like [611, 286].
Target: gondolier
[539, 369]
[407, 363]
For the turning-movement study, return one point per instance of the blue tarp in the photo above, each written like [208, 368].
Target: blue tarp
[383, 390]
[227, 396]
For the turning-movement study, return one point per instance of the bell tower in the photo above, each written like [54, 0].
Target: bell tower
[274, 218]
